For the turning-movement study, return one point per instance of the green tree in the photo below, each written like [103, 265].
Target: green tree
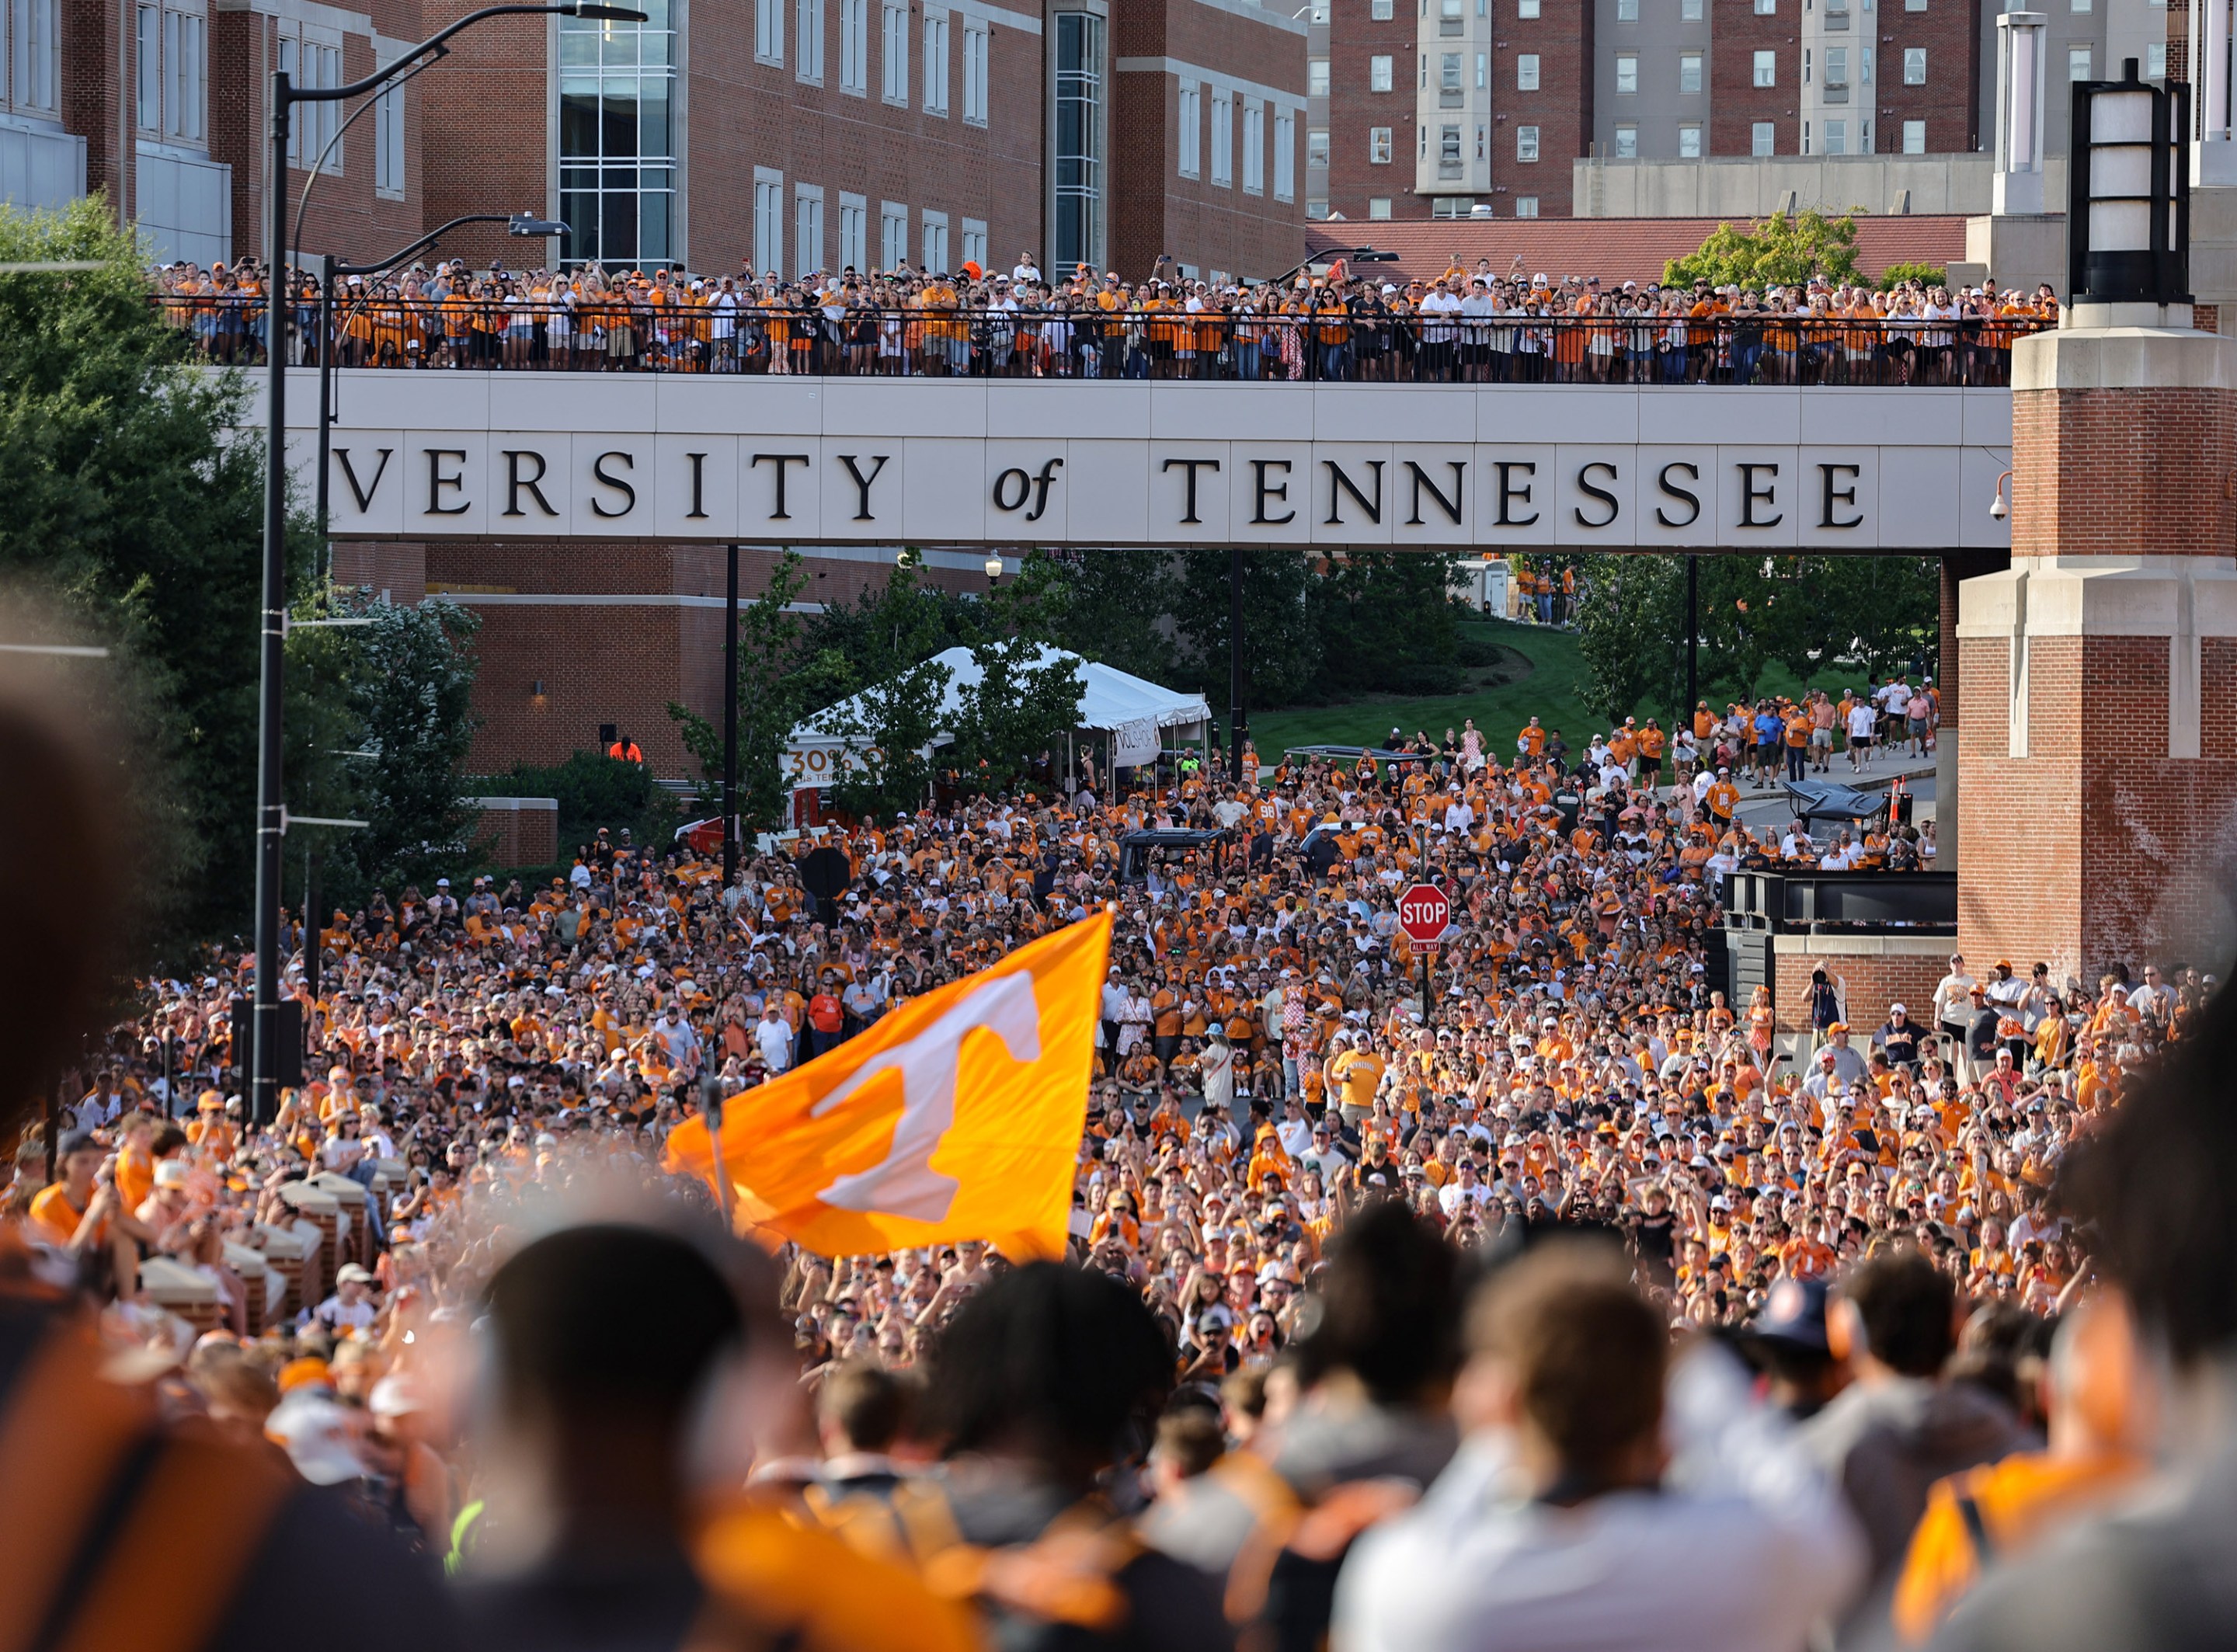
[130, 503]
[891, 628]
[888, 727]
[1022, 706]
[1925, 274]
[1107, 605]
[1884, 609]
[1384, 623]
[1280, 651]
[410, 696]
[1779, 251]
[1631, 631]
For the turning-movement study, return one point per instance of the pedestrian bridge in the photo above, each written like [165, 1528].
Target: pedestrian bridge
[427, 454]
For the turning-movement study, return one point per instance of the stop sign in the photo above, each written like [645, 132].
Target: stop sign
[1424, 913]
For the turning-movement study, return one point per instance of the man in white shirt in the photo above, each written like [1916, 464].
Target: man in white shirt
[774, 1035]
[1557, 1525]
[1862, 720]
[677, 1039]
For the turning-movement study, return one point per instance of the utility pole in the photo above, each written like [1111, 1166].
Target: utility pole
[730, 725]
[1234, 665]
[1693, 634]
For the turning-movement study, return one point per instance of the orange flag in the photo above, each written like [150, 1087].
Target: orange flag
[958, 1116]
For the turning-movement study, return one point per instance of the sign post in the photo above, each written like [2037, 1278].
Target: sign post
[1424, 914]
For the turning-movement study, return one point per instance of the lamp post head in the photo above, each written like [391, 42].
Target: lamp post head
[611, 14]
[522, 224]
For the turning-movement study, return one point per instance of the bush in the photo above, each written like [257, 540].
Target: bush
[593, 790]
[1925, 274]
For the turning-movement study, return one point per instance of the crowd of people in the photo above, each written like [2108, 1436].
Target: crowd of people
[1775, 1328]
[1467, 325]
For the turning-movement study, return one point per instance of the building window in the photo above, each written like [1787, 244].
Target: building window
[1483, 71]
[1449, 152]
[975, 42]
[768, 221]
[1526, 9]
[1317, 207]
[1914, 138]
[768, 30]
[1626, 143]
[1316, 146]
[1626, 74]
[936, 62]
[1837, 137]
[935, 243]
[2078, 59]
[1378, 208]
[892, 54]
[1914, 5]
[854, 46]
[1223, 139]
[1482, 141]
[1526, 143]
[807, 229]
[1078, 148]
[1766, 69]
[1914, 65]
[1766, 8]
[1689, 141]
[172, 90]
[1380, 10]
[1526, 206]
[893, 234]
[617, 149]
[388, 142]
[854, 232]
[808, 42]
[2078, 7]
[1689, 71]
[1626, 10]
[1760, 139]
[1448, 80]
[1192, 122]
[1378, 73]
[1285, 155]
[311, 64]
[1864, 65]
[1378, 145]
[1254, 148]
[35, 53]
[2155, 60]
[1317, 77]
[975, 241]
[1689, 11]
[1526, 72]
[1837, 66]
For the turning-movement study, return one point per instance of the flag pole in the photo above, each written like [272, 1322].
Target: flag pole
[710, 1104]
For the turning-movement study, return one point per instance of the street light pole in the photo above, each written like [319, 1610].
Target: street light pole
[730, 721]
[1234, 665]
[272, 641]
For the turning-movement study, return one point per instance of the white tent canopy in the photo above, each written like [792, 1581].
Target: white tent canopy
[1133, 712]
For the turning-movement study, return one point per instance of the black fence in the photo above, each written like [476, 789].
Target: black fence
[609, 334]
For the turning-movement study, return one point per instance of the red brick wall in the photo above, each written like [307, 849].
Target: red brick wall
[1561, 107]
[1355, 36]
[2218, 728]
[1874, 982]
[1736, 102]
[1155, 209]
[2070, 502]
[90, 93]
[483, 138]
[1949, 103]
[520, 836]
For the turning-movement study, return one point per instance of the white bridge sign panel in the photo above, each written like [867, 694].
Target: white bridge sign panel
[557, 456]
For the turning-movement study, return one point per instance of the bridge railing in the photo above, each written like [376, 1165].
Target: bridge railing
[607, 334]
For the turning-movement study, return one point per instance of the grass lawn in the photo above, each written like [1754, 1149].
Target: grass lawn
[1548, 689]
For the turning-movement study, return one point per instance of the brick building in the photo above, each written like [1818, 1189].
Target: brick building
[1491, 101]
[785, 135]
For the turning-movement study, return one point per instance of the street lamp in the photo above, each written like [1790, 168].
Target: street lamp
[329, 269]
[271, 812]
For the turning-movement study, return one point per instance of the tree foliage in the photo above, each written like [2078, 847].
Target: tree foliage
[1925, 274]
[888, 727]
[1281, 651]
[1780, 251]
[1384, 623]
[411, 699]
[1021, 706]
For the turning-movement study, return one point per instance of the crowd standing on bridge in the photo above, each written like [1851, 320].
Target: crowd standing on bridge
[1474, 325]
[1529, 1294]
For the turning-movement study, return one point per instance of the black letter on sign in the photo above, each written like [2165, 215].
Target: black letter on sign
[1509, 493]
[514, 482]
[1751, 495]
[1451, 506]
[1191, 466]
[1002, 488]
[862, 482]
[1693, 500]
[625, 488]
[1339, 484]
[1041, 484]
[780, 460]
[1264, 493]
[1840, 496]
[349, 474]
[437, 481]
[698, 487]
[1599, 493]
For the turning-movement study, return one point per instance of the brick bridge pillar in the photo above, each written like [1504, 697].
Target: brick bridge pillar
[2098, 740]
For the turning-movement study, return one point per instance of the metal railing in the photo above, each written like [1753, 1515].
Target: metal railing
[1857, 903]
[613, 335]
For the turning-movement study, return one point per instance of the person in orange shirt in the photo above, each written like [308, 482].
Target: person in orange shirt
[58, 1210]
